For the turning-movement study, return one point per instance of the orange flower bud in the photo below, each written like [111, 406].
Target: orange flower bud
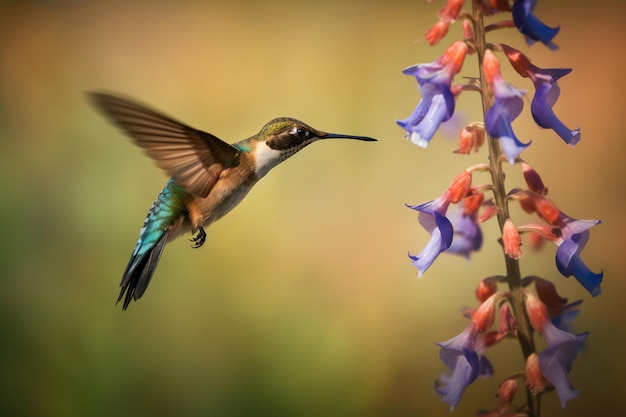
[460, 186]
[491, 66]
[534, 379]
[437, 32]
[511, 239]
[486, 288]
[483, 315]
[547, 210]
[537, 311]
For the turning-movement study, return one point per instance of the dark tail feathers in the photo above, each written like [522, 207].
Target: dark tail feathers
[139, 272]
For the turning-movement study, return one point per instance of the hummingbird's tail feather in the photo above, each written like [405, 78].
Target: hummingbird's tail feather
[140, 270]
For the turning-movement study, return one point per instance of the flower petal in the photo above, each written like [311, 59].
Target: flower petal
[464, 373]
[556, 360]
[541, 108]
[529, 25]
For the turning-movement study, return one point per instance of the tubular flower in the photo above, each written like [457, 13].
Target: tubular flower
[575, 234]
[464, 355]
[432, 216]
[530, 26]
[546, 93]
[556, 360]
[507, 106]
[570, 235]
[437, 104]
[467, 236]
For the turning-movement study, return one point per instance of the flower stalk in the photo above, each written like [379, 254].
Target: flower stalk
[513, 272]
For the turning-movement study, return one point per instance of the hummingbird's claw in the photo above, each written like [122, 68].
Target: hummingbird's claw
[198, 239]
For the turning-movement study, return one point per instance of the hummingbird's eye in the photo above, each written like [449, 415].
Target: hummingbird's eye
[302, 132]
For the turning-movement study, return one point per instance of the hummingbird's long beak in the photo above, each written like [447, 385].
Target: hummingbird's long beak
[340, 136]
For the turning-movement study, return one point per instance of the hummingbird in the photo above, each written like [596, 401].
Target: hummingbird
[209, 177]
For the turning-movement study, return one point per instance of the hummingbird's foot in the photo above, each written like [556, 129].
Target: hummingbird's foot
[198, 240]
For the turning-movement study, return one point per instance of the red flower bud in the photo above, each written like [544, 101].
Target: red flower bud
[533, 180]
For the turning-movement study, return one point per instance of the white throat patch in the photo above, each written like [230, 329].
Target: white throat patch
[266, 158]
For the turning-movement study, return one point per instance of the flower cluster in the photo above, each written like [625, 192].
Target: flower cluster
[531, 306]
[464, 353]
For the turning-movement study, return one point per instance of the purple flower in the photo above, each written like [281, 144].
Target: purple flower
[529, 25]
[546, 93]
[507, 106]
[575, 234]
[463, 354]
[437, 104]
[432, 216]
[570, 235]
[467, 236]
[556, 360]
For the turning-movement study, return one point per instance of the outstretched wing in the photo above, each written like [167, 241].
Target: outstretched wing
[192, 157]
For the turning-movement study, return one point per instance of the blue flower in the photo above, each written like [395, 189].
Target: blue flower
[546, 93]
[556, 360]
[437, 103]
[575, 234]
[459, 355]
[432, 216]
[507, 106]
[529, 25]
[463, 354]
[569, 234]
[435, 107]
[467, 237]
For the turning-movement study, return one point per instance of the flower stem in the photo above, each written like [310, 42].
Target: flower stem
[513, 274]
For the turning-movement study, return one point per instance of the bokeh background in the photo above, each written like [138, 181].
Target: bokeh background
[302, 302]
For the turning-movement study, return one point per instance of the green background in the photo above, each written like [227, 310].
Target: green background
[302, 302]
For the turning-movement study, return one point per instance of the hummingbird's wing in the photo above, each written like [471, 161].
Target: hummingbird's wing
[192, 157]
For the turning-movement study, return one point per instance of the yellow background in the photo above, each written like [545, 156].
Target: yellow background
[302, 302]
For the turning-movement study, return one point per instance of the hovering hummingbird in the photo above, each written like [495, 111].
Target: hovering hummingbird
[209, 177]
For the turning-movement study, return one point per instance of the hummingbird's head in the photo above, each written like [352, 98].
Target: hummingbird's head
[282, 137]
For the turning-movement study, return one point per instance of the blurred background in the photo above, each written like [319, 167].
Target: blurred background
[302, 301]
